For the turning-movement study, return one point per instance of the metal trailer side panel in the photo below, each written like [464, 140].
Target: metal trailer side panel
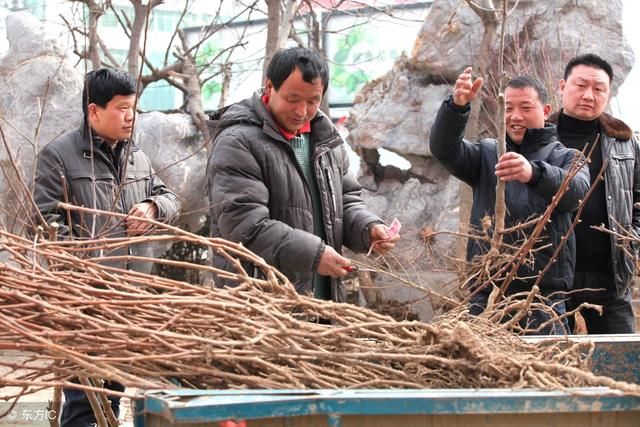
[613, 419]
[490, 407]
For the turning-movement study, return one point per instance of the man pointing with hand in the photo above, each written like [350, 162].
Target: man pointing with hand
[533, 168]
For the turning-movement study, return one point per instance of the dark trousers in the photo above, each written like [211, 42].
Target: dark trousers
[533, 320]
[617, 312]
[77, 412]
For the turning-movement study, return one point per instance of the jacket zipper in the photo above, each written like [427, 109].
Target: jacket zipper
[306, 184]
[118, 178]
[605, 147]
[332, 193]
[323, 147]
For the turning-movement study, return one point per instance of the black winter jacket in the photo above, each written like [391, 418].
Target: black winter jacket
[73, 169]
[475, 165]
[622, 188]
[260, 198]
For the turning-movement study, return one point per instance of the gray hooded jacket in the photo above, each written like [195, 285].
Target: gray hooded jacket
[260, 198]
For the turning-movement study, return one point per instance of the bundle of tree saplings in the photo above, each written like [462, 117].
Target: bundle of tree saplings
[69, 315]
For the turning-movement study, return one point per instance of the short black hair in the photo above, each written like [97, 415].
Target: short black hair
[522, 82]
[590, 60]
[100, 86]
[310, 63]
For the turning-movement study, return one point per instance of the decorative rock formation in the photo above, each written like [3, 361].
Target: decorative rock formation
[39, 100]
[396, 111]
[178, 155]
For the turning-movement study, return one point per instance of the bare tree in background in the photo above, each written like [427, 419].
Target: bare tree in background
[183, 66]
[136, 29]
[279, 24]
[487, 13]
[315, 28]
[96, 10]
[179, 67]
[493, 19]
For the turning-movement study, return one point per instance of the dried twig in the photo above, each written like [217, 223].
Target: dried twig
[72, 316]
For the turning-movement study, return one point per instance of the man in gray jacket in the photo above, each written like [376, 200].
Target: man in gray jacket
[99, 167]
[604, 266]
[279, 180]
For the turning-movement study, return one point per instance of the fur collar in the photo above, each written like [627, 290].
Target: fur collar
[610, 125]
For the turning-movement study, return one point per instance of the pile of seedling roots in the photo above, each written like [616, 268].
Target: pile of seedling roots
[68, 315]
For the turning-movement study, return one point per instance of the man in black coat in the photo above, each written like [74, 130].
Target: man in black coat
[604, 264]
[533, 168]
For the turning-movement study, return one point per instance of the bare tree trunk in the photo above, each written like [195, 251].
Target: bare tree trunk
[317, 31]
[137, 27]
[466, 201]
[226, 83]
[316, 35]
[489, 20]
[290, 10]
[279, 24]
[92, 50]
[193, 88]
[54, 407]
[274, 20]
[136, 33]
[501, 208]
[95, 11]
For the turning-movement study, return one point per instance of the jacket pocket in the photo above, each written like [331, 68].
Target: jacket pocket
[622, 166]
[623, 156]
[95, 191]
[92, 190]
